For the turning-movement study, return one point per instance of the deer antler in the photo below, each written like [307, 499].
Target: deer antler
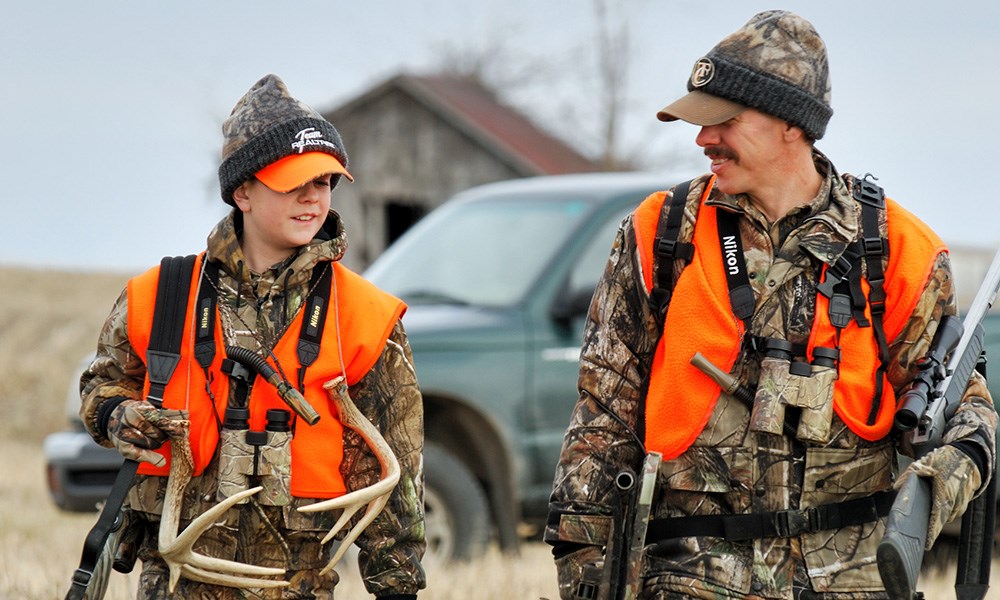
[375, 496]
[177, 549]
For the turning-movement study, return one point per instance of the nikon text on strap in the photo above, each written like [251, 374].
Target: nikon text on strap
[163, 355]
[317, 306]
[741, 297]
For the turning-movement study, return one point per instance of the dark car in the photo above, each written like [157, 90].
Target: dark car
[79, 472]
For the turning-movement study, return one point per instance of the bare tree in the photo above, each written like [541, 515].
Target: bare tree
[612, 76]
[580, 93]
[494, 63]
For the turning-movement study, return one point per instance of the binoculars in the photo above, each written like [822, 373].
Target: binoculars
[785, 381]
[248, 458]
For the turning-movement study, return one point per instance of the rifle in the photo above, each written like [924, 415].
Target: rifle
[90, 580]
[923, 412]
[637, 531]
[621, 576]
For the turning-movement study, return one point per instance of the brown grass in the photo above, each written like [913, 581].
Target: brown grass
[49, 320]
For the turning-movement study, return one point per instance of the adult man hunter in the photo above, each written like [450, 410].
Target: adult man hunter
[761, 272]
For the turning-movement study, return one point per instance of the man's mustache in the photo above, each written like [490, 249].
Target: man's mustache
[718, 151]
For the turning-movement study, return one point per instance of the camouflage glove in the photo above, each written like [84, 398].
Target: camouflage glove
[954, 480]
[133, 431]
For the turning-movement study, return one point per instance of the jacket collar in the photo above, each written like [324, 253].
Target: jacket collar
[828, 224]
[328, 245]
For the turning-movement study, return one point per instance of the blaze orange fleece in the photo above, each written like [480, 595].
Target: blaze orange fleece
[364, 317]
[681, 398]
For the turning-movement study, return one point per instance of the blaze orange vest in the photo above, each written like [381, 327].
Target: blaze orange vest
[699, 318]
[359, 322]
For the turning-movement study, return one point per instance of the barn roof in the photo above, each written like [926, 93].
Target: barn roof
[475, 111]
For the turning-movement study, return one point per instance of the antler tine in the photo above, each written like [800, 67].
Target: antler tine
[177, 550]
[375, 496]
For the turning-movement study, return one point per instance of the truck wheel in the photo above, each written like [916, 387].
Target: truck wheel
[456, 512]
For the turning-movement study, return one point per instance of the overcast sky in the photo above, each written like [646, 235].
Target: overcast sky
[111, 110]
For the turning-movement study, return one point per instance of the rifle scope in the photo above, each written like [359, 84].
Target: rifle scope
[913, 403]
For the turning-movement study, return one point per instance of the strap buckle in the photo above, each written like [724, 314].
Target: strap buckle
[792, 523]
[873, 246]
[667, 248]
[834, 275]
[82, 577]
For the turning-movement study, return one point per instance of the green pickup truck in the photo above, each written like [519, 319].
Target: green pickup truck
[498, 280]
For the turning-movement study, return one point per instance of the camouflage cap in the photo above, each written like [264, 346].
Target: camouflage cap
[267, 125]
[776, 63]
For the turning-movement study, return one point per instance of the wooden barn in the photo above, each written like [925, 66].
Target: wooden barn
[414, 141]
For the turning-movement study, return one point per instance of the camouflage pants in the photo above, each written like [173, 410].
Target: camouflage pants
[257, 538]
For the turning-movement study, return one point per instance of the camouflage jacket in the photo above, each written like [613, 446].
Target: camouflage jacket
[730, 469]
[254, 311]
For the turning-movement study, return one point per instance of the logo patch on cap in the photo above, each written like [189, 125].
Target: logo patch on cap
[310, 137]
[703, 72]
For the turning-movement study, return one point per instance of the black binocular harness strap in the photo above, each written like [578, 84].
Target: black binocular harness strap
[163, 355]
[314, 319]
[782, 523]
[667, 248]
[874, 247]
[741, 297]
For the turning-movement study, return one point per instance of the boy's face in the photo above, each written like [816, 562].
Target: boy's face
[278, 223]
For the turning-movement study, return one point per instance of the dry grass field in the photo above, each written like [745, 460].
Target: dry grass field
[48, 321]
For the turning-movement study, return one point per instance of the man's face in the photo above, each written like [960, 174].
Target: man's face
[746, 151]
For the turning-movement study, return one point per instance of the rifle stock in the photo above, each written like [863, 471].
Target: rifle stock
[902, 549]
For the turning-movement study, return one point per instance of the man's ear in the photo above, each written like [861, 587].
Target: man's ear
[793, 133]
[241, 197]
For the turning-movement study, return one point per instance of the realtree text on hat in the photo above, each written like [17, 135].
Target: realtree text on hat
[776, 63]
[278, 139]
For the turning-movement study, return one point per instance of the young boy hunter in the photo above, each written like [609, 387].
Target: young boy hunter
[271, 261]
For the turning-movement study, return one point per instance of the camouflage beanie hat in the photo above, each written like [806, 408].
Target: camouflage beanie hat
[776, 63]
[268, 124]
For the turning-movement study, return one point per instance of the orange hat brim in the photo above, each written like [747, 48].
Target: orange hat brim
[295, 170]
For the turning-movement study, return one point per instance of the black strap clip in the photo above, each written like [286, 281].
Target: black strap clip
[834, 275]
[792, 523]
[237, 370]
[840, 310]
[868, 192]
[742, 301]
[670, 249]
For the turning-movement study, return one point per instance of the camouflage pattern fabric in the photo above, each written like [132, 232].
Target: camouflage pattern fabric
[133, 431]
[255, 309]
[954, 481]
[731, 469]
[266, 125]
[266, 103]
[243, 464]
